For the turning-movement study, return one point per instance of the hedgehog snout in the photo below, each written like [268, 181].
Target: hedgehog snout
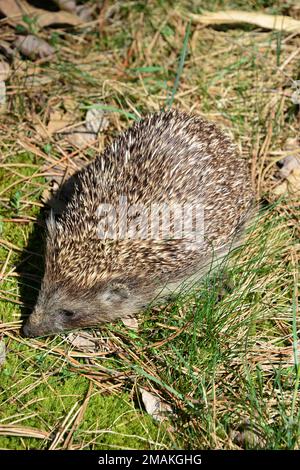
[28, 331]
[31, 331]
[37, 324]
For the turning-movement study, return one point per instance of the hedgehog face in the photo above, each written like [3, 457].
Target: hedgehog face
[59, 310]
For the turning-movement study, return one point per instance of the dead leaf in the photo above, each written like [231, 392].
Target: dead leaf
[291, 185]
[67, 5]
[4, 70]
[154, 406]
[2, 97]
[87, 343]
[280, 189]
[2, 353]
[95, 120]
[10, 9]
[15, 10]
[85, 12]
[131, 323]
[70, 103]
[83, 341]
[292, 161]
[274, 22]
[83, 135]
[294, 181]
[6, 50]
[80, 137]
[4, 74]
[290, 171]
[58, 120]
[33, 47]
[58, 17]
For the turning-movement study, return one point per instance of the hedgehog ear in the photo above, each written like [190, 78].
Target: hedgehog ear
[115, 293]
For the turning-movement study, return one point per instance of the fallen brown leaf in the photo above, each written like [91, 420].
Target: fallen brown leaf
[70, 103]
[95, 120]
[15, 10]
[11, 9]
[33, 47]
[2, 97]
[85, 12]
[4, 70]
[58, 120]
[6, 49]
[154, 406]
[83, 341]
[291, 161]
[294, 182]
[275, 22]
[58, 17]
[290, 171]
[131, 323]
[80, 137]
[67, 5]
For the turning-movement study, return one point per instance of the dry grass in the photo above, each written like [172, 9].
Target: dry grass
[225, 362]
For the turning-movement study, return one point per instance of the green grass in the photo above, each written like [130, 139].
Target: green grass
[224, 355]
[109, 421]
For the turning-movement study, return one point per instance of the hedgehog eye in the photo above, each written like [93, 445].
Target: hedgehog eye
[67, 313]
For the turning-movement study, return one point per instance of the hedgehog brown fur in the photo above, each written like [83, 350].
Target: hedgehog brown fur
[167, 158]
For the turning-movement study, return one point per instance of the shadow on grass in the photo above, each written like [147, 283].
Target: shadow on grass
[31, 265]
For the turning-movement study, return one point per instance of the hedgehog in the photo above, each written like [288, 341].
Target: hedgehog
[154, 212]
